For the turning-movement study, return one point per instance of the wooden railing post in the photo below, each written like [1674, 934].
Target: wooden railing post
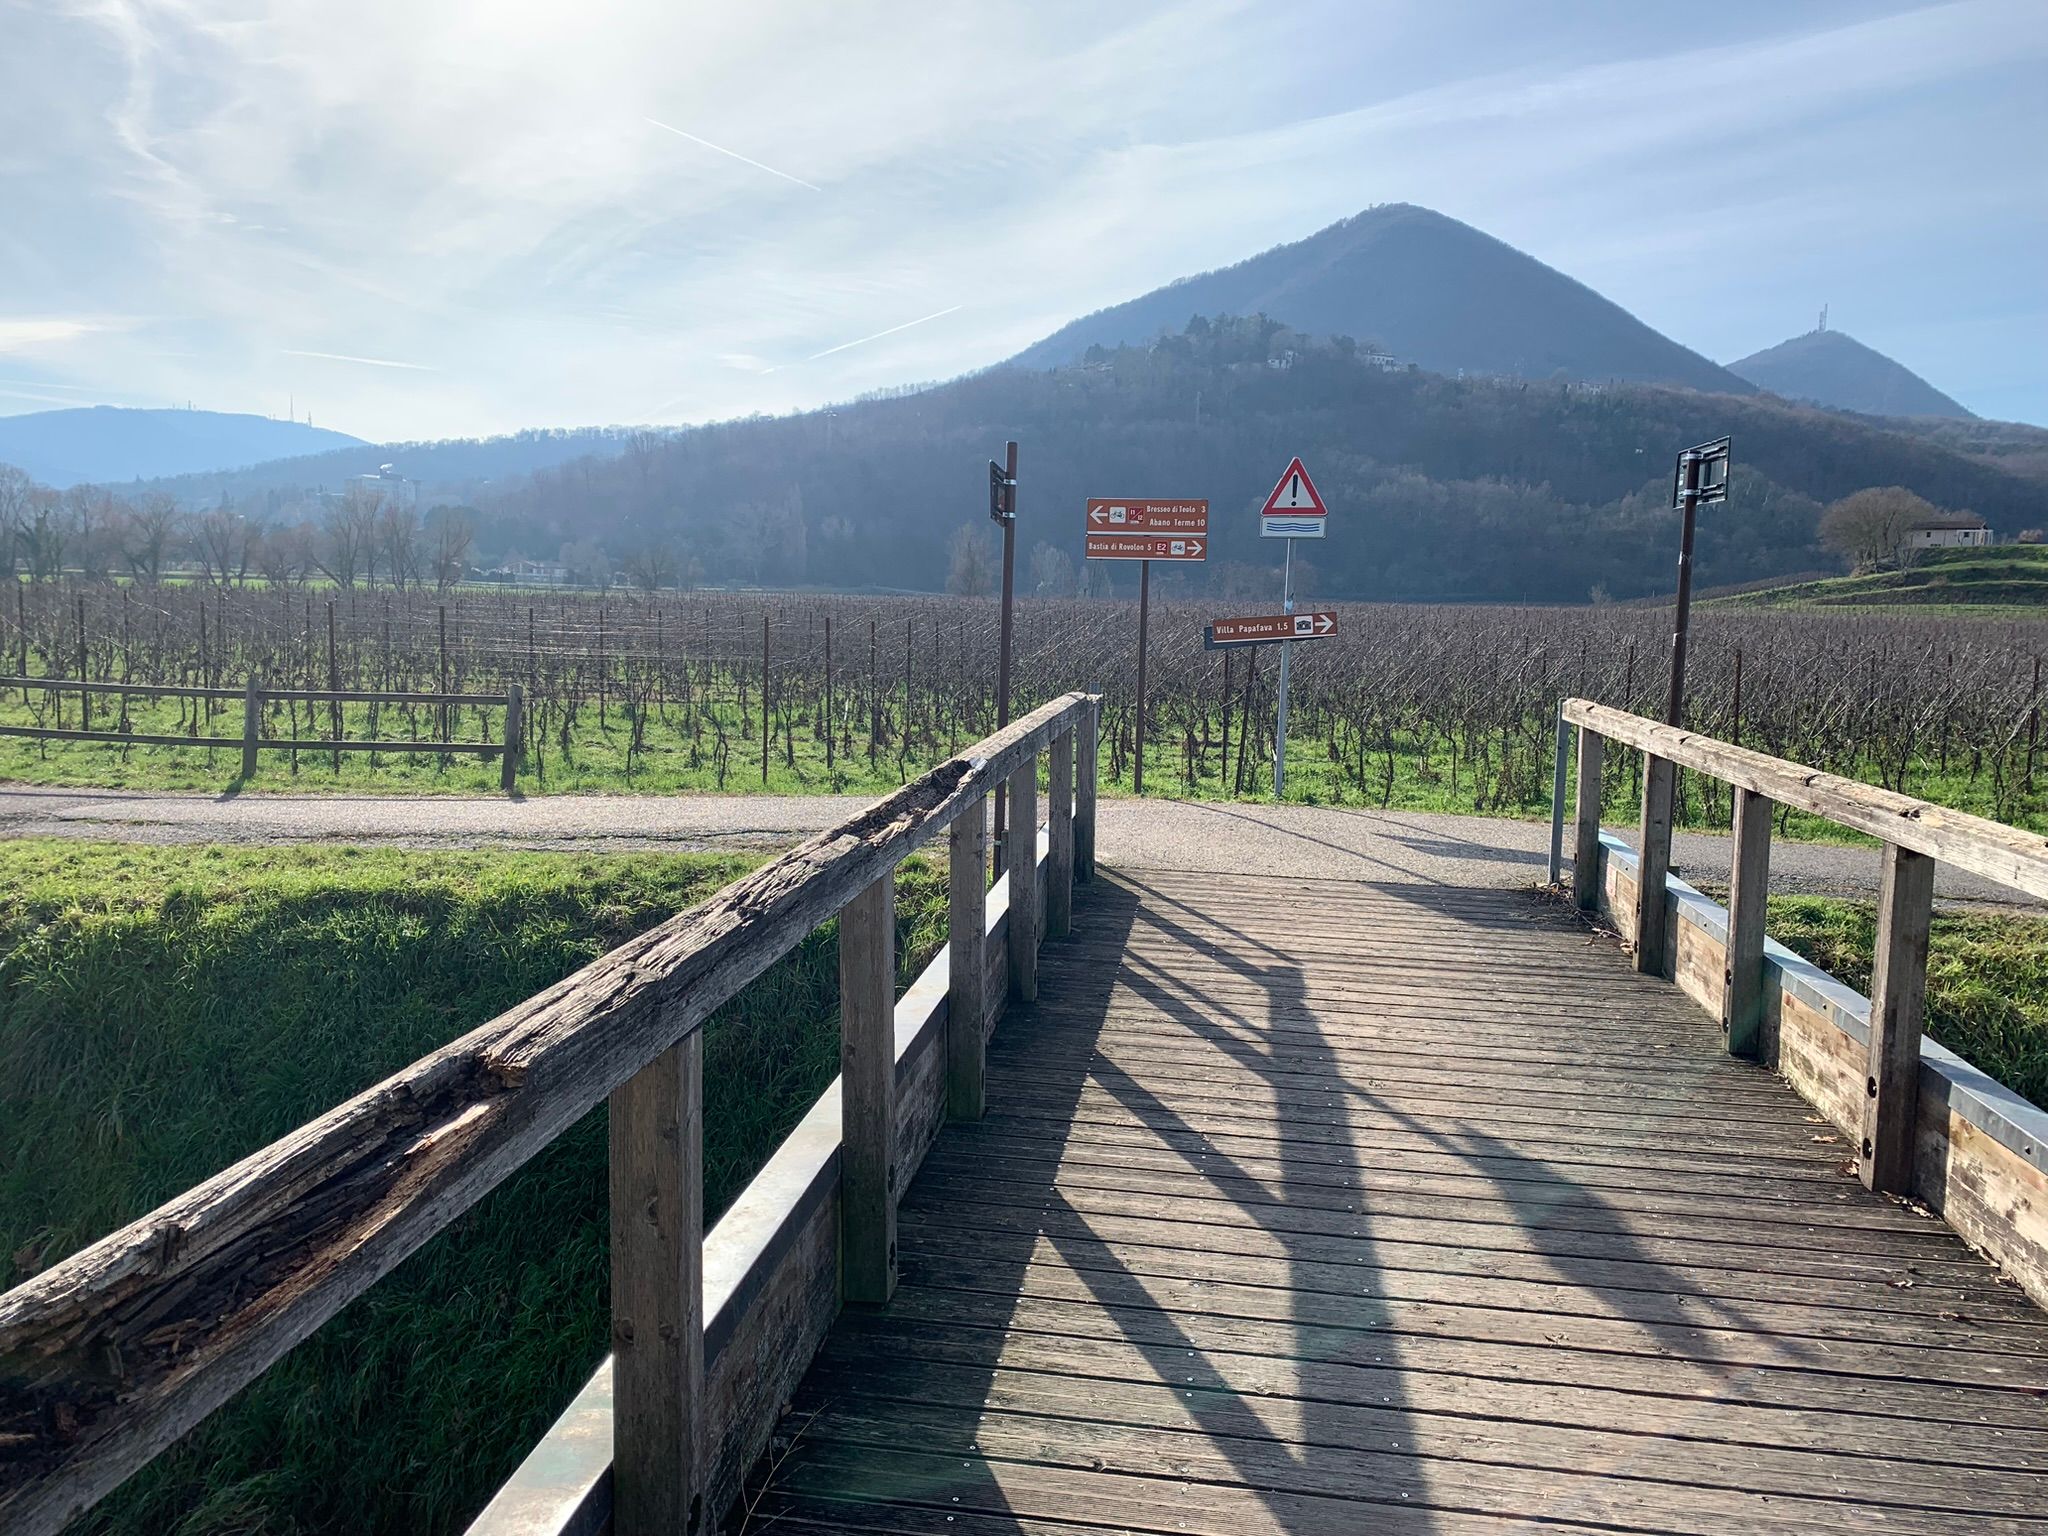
[1557, 777]
[867, 1094]
[967, 962]
[515, 737]
[252, 722]
[1086, 750]
[1749, 888]
[1659, 778]
[1023, 857]
[657, 1220]
[1898, 993]
[1586, 836]
[1059, 860]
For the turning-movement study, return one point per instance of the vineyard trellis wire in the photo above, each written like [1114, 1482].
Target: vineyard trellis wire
[1440, 706]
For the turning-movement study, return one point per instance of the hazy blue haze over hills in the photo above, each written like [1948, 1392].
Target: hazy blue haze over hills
[111, 444]
[1834, 369]
[1431, 290]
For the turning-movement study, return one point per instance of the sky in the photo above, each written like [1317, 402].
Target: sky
[415, 219]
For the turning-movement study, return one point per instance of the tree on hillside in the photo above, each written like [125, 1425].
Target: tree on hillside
[154, 531]
[1052, 571]
[975, 561]
[652, 566]
[450, 532]
[15, 489]
[227, 545]
[347, 546]
[1869, 526]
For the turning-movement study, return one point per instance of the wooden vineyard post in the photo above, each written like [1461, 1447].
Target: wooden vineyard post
[1085, 752]
[967, 963]
[1059, 861]
[657, 1221]
[1586, 835]
[1659, 778]
[252, 723]
[1898, 993]
[1023, 871]
[1749, 888]
[867, 1104]
[515, 738]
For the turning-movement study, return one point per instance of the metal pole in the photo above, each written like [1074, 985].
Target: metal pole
[1144, 626]
[1001, 818]
[1286, 655]
[1689, 498]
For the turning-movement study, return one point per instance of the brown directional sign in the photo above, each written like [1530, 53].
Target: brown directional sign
[1266, 629]
[1146, 546]
[1107, 514]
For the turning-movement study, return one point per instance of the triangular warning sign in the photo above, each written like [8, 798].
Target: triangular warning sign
[1295, 495]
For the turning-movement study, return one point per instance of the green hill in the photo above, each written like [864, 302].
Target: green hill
[2008, 576]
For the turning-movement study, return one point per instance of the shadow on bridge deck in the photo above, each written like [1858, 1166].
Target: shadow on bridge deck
[1319, 1207]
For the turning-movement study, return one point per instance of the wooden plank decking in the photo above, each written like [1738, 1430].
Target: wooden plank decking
[1320, 1207]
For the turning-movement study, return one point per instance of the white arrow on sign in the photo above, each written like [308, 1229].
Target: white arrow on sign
[1098, 514]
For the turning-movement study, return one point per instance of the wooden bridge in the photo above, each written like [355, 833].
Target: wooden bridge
[1271, 1206]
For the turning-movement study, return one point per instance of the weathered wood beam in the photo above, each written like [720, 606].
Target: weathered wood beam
[2005, 854]
[657, 1223]
[1653, 863]
[967, 965]
[1898, 994]
[1586, 843]
[1059, 863]
[867, 1102]
[1086, 755]
[1749, 889]
[109, 1356]
[1024, 882]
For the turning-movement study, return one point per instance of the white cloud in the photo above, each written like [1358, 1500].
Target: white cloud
[24, 335]
[476, 182]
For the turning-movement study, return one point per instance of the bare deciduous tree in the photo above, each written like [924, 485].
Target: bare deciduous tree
[1869, 526]
[155, 529]
[975, 561]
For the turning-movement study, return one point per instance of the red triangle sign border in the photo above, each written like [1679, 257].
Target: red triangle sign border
[1295, 470]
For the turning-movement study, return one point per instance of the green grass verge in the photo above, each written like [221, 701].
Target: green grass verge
[1987, 978]
[2003, 580]
[164, 1011]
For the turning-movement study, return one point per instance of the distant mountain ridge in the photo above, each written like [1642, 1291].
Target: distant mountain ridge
[1834, 369]
[1431, 290]
[107, 444]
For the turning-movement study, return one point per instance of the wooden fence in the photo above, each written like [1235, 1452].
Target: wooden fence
[112, 1354]
[1925, 1123]
[255, 697]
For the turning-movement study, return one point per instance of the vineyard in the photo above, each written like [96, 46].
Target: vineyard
[1410, 707]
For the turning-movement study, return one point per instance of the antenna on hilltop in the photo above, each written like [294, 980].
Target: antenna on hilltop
[1823, 318]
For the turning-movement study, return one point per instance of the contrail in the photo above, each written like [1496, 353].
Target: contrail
[906, 325]
[733, 153]
[374, 362]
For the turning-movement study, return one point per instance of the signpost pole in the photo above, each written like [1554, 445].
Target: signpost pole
[1144, 627]
[1689, 500]
[1286, 654]
[1009, 522]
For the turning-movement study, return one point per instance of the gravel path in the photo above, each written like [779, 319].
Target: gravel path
[1393, 846]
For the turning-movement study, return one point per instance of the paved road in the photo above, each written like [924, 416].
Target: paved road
[1395, 846]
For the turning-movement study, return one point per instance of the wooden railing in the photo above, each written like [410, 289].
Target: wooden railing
[255, 696]
[1915, 835]
[112, 1354]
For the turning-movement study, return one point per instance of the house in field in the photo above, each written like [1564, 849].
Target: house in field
[1953, 530]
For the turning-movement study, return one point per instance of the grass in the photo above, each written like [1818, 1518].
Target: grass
[2008, 579]
[1511, 779]
[1987, 978]
[164, 1011]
